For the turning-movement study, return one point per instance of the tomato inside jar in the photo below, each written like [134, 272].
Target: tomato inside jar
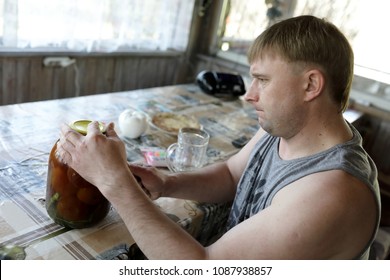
[72, 201]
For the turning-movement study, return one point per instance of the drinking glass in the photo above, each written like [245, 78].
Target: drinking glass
[189, 152]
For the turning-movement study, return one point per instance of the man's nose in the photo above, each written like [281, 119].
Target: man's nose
[251, 94]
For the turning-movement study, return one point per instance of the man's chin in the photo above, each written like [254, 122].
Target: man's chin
[266, 127]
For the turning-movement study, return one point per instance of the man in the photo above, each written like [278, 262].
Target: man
[303, 187]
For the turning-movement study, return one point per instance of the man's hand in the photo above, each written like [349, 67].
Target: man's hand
[98, 158]
[150, 178]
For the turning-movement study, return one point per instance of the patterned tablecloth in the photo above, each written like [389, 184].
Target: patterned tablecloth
[29, 130]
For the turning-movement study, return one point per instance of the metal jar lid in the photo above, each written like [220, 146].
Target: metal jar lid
[81, 126]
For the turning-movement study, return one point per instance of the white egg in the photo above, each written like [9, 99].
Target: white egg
[132, 123]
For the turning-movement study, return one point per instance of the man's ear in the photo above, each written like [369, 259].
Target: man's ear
[315, 82]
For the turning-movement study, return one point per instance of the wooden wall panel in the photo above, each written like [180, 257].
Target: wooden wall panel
[9, 80]
[23, 72]
[25, 79]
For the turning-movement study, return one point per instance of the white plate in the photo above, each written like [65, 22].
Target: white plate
[172, 122]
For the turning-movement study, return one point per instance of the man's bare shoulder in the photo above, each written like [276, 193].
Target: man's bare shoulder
[321, 216]
[237, 163]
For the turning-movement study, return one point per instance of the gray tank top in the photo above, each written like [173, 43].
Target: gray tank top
[266, 173]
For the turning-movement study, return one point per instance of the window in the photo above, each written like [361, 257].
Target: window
[95, 25]
[364, 23]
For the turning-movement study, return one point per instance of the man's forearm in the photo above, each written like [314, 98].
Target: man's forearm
[156, 235]
[212, 184]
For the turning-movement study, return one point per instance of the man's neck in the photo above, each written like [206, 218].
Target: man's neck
[314, 137]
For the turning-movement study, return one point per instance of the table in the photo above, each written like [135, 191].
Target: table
[29, 130]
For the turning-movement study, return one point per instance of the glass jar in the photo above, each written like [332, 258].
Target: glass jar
[71, 201]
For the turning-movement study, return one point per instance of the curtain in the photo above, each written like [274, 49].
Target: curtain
[95, 25]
